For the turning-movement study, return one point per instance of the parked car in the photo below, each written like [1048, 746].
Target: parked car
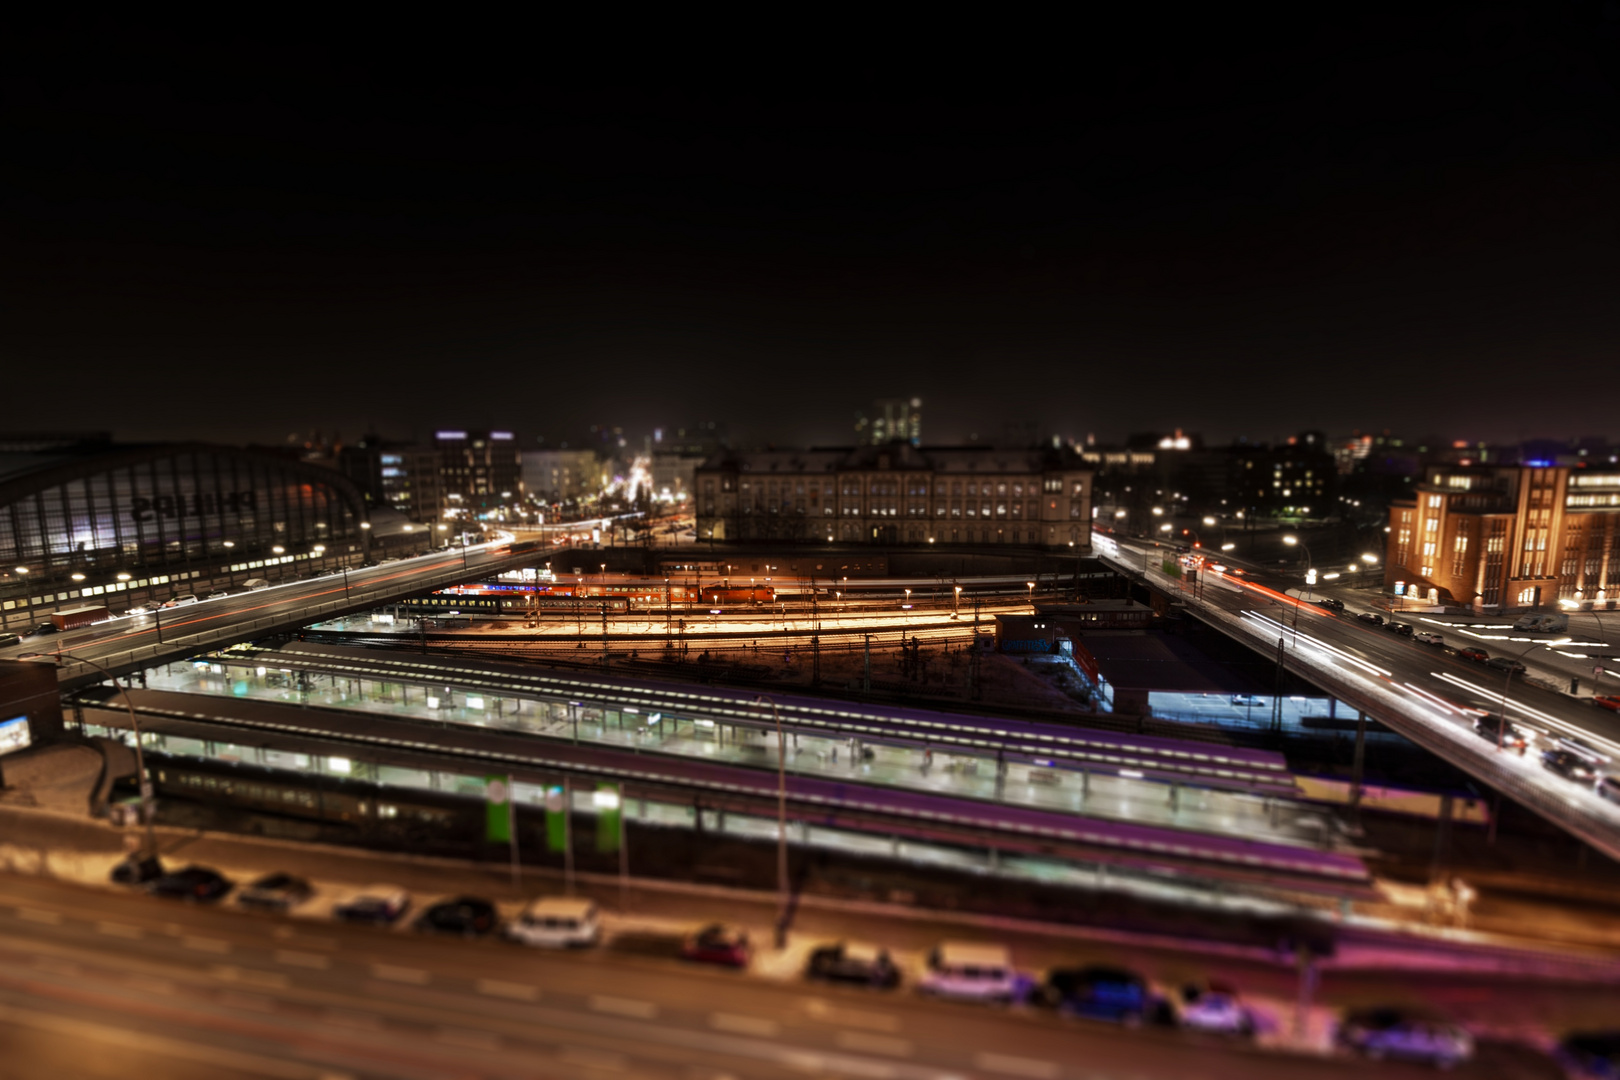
[183, 600]
[1215, 1006]
[1395, 1033]
[39, 630]
[1570, 765]
[557, 922]
[1426, 637]
[253, 584]
[971, 971]
[1370, 617]
[1474, 653]
[141, 609]
[137, 869]
[1486, 728]
[1505, 664]
[853, 962]
[8, 640]
[1608, 788]
[379, 905]
[195, 884]
[1335, 606]
[1610, 703]
[218, 594]
[469, 916]
[1099, 992]
[1401, 628]
[1593, 1054]
[717, 943]
[275, 892]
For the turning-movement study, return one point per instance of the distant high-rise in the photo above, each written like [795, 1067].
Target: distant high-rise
[892, 420]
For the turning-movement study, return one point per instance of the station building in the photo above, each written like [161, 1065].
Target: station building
[86, 522]
[898, 494]
[1499, 538]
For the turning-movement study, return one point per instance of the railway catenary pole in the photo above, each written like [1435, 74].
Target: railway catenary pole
[149, 846]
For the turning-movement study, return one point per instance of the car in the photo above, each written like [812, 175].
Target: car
[218, 594]
[1246, 701]
[1370, 617]
[1401, 628]
[39, 630]
[717, 943]
[468, 916]
[1215, 1006]
[1505, 664]
[136, 869]
[275, 892]
[557, 922]
[1471, 652]
[1486, 727]
[8, 640]
[1425, 637]
[194, 884]
[255, 584]
[1335, 606]
[1608, 788]
[379, 905]
[1397, 1033]
[853, 962]
[972, 971]
[366, 564]
[1099, 992]
[1604, 702]
[1593, 1054]
[141, 609]
[1570, 765]
[183, 600]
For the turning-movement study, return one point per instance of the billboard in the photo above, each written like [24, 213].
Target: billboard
[14, 735]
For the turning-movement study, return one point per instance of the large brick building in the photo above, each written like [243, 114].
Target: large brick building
[898, 494]
[1505, 537]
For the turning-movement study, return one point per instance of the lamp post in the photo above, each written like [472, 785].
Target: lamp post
[956, 601]
[781, 826]
[1310, 577]
[1507, 682]
[135, 725]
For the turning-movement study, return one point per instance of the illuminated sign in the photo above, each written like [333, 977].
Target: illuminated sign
[449, 434]
[14, 735]
[504, 436]
[195, 505]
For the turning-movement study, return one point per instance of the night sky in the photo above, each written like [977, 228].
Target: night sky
[1238, 230]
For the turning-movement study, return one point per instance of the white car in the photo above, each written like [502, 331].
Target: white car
[972, 972]
[1215, 1007]
[557, 922]
[1424, 637]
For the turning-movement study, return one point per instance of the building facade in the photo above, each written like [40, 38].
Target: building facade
[1505, 537]
[479, 470]
[108, 524]
[898, 494]
[397, 475]
[555, 476]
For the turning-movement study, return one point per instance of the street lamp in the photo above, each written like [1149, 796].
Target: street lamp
[956, 602]
[781, 826]
[1310, 577]
[1031, 586]
[1507, 681]
[149, 847]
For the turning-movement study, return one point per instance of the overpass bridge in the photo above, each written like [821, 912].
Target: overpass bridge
[1429, 695]
[134, 643]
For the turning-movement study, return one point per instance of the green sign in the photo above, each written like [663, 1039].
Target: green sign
[497, 809]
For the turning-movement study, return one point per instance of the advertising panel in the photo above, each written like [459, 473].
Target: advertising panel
[14, 735]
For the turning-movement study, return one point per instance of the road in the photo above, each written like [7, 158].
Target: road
[96, 983]
[284, 604]
[1435, 687]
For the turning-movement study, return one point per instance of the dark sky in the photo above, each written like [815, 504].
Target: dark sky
[1242, 230]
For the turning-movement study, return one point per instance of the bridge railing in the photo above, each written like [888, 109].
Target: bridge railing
[1592, 819]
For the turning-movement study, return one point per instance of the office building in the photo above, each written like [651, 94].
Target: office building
[1504, 537]
[479, 470]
